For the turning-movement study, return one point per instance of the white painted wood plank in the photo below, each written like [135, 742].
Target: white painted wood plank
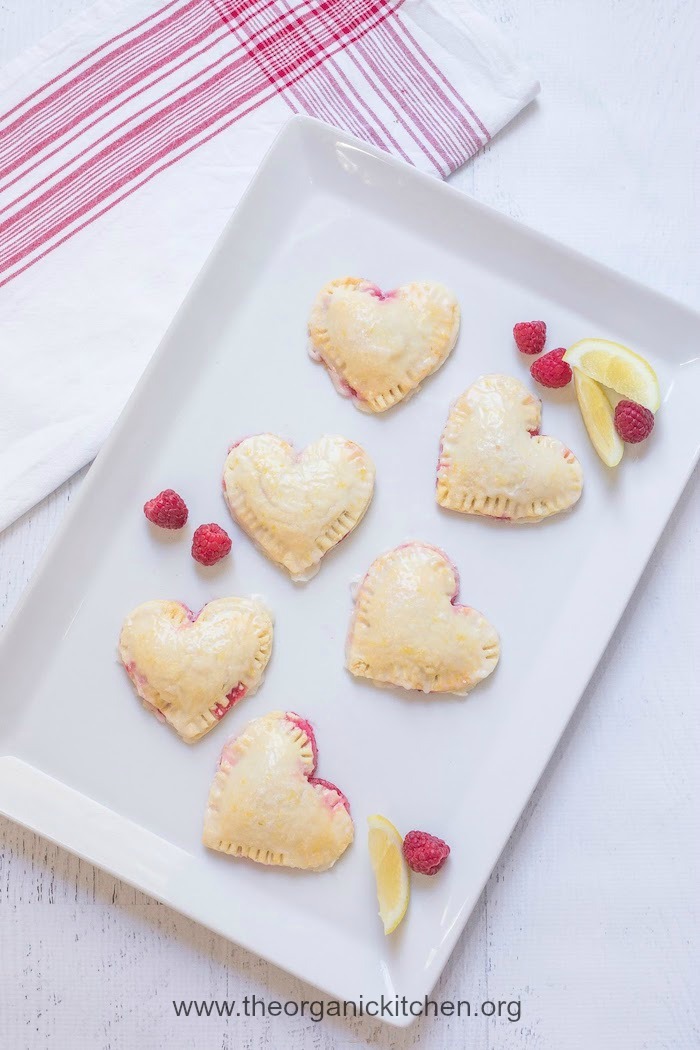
[591, 917]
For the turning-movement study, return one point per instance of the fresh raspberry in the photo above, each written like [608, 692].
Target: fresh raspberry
[425, 853]
[210, 544]
[551, 369]
[633, 422]
[530, 336]
[167, 510]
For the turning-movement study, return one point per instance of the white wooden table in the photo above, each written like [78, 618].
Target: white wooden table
[591, 917]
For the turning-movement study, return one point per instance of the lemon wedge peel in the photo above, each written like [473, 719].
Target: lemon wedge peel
[599, 418]
[616, 366]
[390, 871]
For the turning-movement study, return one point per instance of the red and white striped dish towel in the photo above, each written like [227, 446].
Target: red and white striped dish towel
[128, 136]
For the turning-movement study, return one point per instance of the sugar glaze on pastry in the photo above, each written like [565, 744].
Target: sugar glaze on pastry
[494, 461]
[378, 347]
[408, 630]
[191, 668]
[296, 506]
[265, 803]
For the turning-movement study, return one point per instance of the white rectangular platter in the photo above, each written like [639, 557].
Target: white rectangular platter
[85, 765]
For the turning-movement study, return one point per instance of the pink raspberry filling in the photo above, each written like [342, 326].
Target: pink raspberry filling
[136, 677]
[350, 390]
[307, 728]
[141, 683]
[455, 570]
[245, 437]
[319, 782]
[236, 694]
[340, 384]
[376, 292]
[441, 462]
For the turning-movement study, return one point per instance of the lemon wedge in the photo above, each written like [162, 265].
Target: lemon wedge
[390, 871]
[617, 367]
[599, 417]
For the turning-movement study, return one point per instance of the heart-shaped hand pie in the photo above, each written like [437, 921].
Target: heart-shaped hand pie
[379, 346]
[265, 803]
[408, 630]
[493, 460]
[191, 669]
[296, 506]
